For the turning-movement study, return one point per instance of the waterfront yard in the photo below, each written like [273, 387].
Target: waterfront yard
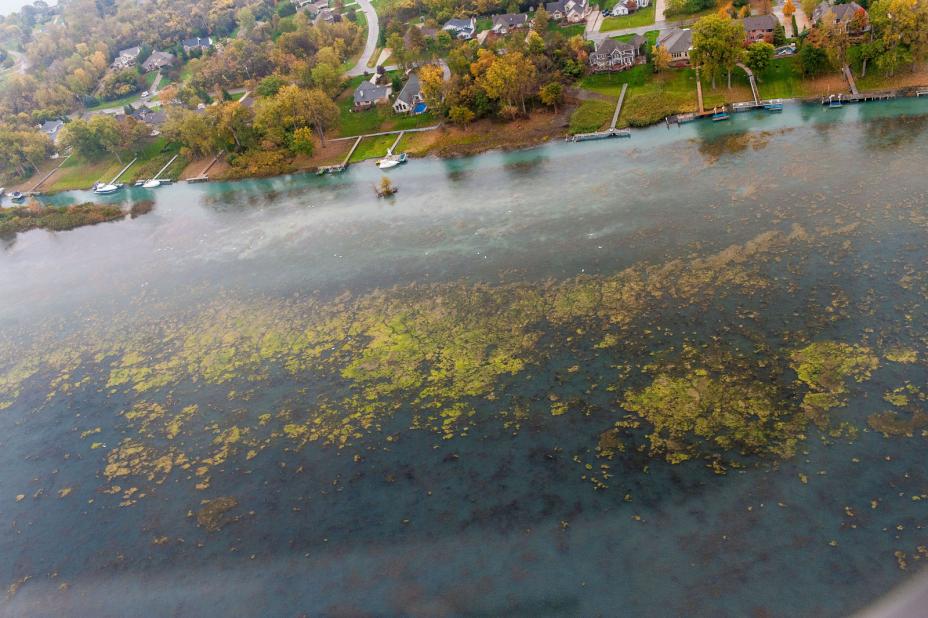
[650, 97]
[380, 118]
[372, 147]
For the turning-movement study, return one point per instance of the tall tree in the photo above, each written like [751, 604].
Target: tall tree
[717, 45]
[510, 78]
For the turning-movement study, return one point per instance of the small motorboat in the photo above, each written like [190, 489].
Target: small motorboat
[16, 196]
[106, 188]
[719, 115]
[154, 183]
[774, 106]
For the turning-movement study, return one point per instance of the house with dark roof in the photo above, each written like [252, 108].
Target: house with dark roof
[571, 11]
[613, 55]
[844, 14]
[502, 24]
[409, 96]
[51, 128]
[158, 60]
[759, 28]
[679, 43]
[127, 57]
[369, 94]
[461, 28]
[196, 44]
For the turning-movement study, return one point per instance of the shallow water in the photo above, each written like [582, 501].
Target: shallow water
[410, 406]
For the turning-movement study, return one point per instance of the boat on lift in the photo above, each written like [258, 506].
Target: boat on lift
[775, 105]
[392, 160]
[719, 116]
[106, 188]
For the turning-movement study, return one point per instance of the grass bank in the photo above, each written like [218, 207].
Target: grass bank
[641, 17]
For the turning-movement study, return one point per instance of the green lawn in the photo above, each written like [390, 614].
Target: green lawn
[639, 18]
[372, 147]
[484, 23]
[591, 116]
[650, 36]
[782, 80]
[650, 97]
[567, 31]
[132, 98]
[380, 118]
[79, 173]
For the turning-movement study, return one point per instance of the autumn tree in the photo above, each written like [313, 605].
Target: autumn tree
[789, 9]
[431, 82]
[551, 94]
[510, 79]
[758, 56]
[192, 130]
[717, 45]
[540, 20]
[661, 59]
[460, 115]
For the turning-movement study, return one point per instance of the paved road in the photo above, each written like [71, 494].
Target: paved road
[373, 35]
[658, 25]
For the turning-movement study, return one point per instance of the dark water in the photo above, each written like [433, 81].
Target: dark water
[682, 374]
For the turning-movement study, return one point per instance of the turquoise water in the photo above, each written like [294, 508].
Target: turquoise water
[406, 405]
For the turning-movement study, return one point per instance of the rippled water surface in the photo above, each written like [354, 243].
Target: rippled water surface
[682, 374]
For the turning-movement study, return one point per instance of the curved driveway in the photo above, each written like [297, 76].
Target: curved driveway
[373, 36]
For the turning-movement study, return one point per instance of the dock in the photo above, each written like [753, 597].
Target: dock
[35, 188]
[611, 131]
[337, 169]
[922, 92]
[123, 171]
[166, 166]
[396, 143]
[859, 98]
[202, 176]
[752, 81]
[850, 80]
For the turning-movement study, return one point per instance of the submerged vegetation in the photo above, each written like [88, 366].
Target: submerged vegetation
[448, 358]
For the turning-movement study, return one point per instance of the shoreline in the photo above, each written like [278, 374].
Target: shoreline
[449, 142]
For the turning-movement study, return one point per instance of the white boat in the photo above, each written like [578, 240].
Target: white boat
[391, 160]
[151, 184]
[16, 196]
[106, 189]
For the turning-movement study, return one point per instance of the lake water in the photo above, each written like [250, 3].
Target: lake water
[681, 374]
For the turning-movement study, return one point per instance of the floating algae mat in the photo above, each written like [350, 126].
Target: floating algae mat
[533, 385]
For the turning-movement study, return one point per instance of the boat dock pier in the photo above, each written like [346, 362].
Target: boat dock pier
[842, 98]
[336, 169]
[123, 171]
[202, 177]
[611, 131]
[396, 143]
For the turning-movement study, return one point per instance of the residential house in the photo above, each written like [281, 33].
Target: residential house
[51, 128]
[502, 24]
[619, 9]
[327, 15]
[571, 11]
[368, 94]
[127, 57]
[679, 43]
[631, 5]
[312, 7]
[843, 13]
[409, 96]
[613, 55]
[196, 44]
[759, 28]
[643, 3]
[157, 61]
[461, 28]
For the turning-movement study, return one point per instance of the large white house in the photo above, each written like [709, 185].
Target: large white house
[571, 11]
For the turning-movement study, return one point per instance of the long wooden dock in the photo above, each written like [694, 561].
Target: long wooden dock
[611, 131]
[123, 171]
[858, 98]
[203, 177]
[335, 169]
